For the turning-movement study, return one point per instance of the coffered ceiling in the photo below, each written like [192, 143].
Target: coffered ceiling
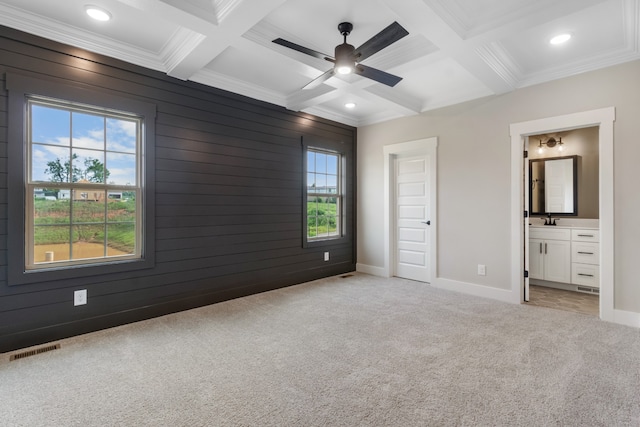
[456, 50]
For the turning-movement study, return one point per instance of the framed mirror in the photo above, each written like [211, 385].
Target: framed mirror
[553, 186]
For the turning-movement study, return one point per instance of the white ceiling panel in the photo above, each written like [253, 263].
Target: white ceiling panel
[261, 68]
[456, 50]
[439, 82]
[596, 31]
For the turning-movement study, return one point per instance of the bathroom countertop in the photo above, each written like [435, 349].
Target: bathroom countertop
[566, 222]
[582, 227]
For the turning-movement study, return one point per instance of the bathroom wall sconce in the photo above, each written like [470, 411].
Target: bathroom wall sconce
[551, 142]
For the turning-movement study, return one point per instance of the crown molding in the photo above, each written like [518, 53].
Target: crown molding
[499, 60]
[328, 114]
[179, 46]
[225, 7]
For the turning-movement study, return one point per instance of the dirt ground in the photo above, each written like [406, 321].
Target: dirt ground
[80, 250]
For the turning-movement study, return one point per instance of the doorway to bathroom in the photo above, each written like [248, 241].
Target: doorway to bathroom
[602, 119]
[562, 198]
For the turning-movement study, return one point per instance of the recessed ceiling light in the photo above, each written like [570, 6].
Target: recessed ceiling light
[97, 13]
[350, 105]
[560, 38]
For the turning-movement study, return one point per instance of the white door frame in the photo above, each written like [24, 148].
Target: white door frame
[603, 118]
[427, 146]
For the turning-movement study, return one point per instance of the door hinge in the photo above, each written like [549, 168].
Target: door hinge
[526, 154]
[526, 214]
[526, 274]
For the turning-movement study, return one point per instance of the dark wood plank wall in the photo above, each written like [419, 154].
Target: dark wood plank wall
[228, 208]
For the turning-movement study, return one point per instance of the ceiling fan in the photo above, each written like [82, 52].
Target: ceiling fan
[347, 58]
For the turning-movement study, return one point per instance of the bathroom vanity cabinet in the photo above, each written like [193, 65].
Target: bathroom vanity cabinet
[550, 254]
[585, 257]
[565, 255]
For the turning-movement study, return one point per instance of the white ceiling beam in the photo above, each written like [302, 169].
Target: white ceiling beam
[302, 99]
[422, 19]
[214, 39]
[240, 20]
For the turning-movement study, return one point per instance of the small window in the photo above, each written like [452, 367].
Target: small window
[83, 187]
[324, 195]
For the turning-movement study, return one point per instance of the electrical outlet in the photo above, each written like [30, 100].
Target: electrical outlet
[482, 270]
[326, 256]
[80, 297]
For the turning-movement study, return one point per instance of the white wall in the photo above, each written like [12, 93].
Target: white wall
[474, 175]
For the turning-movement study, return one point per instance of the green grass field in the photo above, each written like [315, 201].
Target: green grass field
[322, 216]
[52, 222]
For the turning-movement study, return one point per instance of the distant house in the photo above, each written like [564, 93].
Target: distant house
[87, 195]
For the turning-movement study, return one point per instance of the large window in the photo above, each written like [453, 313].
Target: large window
[83, 187]
[324, 194]
[81, 181]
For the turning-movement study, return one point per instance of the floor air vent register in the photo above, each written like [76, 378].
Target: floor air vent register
[33, 352]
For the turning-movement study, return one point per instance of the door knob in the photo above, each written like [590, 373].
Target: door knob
[426, 222]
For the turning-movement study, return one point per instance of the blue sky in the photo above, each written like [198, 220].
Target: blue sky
[322, 170]
[56, 133]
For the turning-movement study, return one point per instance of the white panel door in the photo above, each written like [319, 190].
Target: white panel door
[412, 232]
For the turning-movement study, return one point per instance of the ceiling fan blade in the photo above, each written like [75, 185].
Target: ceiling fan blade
[299, 48]
[384, 38]
[319, 80]
[377, 75]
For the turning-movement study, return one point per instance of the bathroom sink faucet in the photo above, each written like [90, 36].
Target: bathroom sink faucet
[549, 221]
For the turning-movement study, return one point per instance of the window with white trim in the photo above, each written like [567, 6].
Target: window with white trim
[83, 184]
[324, 194]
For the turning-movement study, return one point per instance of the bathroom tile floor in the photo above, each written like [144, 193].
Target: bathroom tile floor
[564, 300]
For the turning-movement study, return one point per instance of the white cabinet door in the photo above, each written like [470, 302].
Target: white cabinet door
[557, 261]
[536, 259]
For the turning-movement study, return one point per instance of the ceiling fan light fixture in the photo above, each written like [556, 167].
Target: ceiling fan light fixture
[345, 62]
[347, 59]
[343, 69]
[97, 13]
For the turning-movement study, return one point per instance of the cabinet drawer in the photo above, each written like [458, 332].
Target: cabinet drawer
[549, 233]
[585, 252]
[585, 274]
[578, 235]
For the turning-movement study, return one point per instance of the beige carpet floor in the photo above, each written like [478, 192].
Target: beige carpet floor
[356, 351]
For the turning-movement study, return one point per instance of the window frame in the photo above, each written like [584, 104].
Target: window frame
[20, 89]
[84, 187]
[338, 194]
[336, 148]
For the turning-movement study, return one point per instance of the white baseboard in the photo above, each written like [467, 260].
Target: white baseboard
[370, 269]
[474, 289]
[628, 318]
